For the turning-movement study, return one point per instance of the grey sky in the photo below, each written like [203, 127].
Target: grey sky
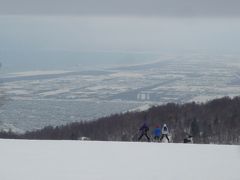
[222, 8]
[120, 25]
[119, 34]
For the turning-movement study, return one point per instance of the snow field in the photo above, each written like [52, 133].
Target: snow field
[83, 160]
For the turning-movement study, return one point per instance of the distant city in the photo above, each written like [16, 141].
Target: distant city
[39, 98]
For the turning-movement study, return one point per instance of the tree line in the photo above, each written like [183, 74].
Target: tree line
[216, 121]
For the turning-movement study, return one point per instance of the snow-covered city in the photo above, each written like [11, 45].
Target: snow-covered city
[44, 98]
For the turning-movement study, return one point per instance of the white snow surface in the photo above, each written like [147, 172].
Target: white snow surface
[141, 108]
[55, 92]
[89, 160]
[35, 73]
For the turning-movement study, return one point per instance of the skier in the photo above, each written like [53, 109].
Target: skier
[144, 132]
[165, 133]
[157, 133]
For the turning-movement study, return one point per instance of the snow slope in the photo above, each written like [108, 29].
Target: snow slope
[82, 160]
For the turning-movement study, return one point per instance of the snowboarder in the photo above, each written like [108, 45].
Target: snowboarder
[157, 133]
[165, 133]
[144, 132]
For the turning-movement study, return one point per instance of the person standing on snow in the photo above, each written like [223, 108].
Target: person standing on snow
[165, 132]
[157, 133]
[144, 132]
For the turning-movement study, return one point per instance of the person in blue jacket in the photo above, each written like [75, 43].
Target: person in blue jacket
[144, 131]
[157, 133]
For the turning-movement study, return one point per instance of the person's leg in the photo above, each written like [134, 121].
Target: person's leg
[140, 137]
[148, 138]
[167, 137]
[161, 137]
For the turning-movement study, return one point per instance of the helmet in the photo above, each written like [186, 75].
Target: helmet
[165, 125]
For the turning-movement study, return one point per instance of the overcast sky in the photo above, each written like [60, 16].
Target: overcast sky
[120, 25]
[223, 8]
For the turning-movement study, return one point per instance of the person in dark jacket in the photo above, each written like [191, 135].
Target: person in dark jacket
[144, 132]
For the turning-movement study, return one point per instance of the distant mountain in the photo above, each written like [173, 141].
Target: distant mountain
[216, 121]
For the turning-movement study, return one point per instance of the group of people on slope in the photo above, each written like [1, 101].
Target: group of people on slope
[158, 133]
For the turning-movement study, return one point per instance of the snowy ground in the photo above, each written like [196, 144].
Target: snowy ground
[78, 160]
[34, 73]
